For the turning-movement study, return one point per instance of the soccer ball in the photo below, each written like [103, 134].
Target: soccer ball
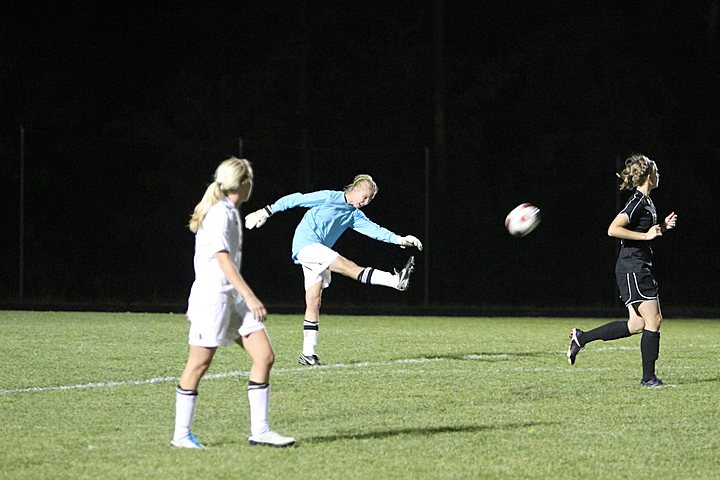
[522, 220]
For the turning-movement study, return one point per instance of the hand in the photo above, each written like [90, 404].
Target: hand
[257, 308]
[410, 241]
[256, 219]
[670, 221]
[655, 231]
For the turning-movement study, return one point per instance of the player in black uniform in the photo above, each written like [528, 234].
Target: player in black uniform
[636, 226]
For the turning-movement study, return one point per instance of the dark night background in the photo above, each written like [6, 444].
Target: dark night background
[127, 108]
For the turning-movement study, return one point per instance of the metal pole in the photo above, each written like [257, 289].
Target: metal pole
[439, 95]
[21, 239]
[426, 239]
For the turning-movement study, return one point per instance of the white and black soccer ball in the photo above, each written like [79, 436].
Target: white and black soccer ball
[522, 220]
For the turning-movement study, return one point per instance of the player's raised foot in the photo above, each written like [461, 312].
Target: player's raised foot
[190, 441]
[575, 346]
[404, 274]
[309, 360]
[271, 439]
[654, 382]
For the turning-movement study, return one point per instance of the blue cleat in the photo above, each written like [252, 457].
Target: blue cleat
[190, 441]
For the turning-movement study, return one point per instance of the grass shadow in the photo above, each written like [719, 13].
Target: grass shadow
[698, 380]
[483, 356]
[424, 431]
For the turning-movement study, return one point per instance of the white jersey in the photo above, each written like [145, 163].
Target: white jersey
[221, 230]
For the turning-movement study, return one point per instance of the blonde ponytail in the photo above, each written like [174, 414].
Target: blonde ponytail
[213, 194]
[228, 177]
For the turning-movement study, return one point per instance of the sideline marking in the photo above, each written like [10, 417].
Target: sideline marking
[211, 376]
[280, 371]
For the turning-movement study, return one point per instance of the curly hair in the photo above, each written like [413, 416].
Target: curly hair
[637, 168]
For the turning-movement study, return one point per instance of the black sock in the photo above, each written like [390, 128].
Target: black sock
[609, 331]
[650, 350]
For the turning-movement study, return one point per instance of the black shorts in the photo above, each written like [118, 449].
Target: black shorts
[636, 287]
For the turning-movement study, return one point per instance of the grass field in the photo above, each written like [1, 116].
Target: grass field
[91, 395]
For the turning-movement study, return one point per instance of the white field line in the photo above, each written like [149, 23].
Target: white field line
[280, 371]
[212, 376]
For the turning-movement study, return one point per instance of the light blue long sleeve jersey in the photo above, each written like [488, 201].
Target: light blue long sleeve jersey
[329, 215]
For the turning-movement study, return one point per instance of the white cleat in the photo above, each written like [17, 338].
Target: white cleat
[271, 439]
[187, 442]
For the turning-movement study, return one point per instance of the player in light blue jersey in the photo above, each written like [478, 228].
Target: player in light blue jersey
[329, 214]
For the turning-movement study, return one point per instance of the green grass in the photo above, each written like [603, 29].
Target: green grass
[91, 395]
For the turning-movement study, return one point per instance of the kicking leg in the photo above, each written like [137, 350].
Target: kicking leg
[373, 276]
[608, 331]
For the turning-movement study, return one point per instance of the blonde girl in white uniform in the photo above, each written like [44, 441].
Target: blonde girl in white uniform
[222, 307]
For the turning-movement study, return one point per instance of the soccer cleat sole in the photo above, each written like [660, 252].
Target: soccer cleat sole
[271, 439]
[271, 445]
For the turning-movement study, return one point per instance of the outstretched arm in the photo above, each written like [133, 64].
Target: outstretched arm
[364, 225]
[308, 200]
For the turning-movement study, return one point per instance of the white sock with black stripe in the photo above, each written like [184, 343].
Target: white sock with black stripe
[310, 336]
[259, 399]
[372, 276]
[185, 403]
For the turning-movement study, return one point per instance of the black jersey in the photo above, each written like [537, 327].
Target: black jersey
[636, 255]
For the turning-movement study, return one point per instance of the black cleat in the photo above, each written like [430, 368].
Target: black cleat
[654, 382]
[309, 360]
[404, 274]
[575, 347]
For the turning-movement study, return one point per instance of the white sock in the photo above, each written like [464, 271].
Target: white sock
[185, 402]
[378, 277]
[310, 336]
[259, 399]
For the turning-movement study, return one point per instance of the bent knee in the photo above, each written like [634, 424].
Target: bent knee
[655, 323]
[636, 330]
[197, 370]
[265, 360]
[636, 324]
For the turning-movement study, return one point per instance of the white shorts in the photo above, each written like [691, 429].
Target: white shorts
[219, 324]
[315, 260]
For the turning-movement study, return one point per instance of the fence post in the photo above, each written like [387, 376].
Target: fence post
[426, 297]
[21, 239]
